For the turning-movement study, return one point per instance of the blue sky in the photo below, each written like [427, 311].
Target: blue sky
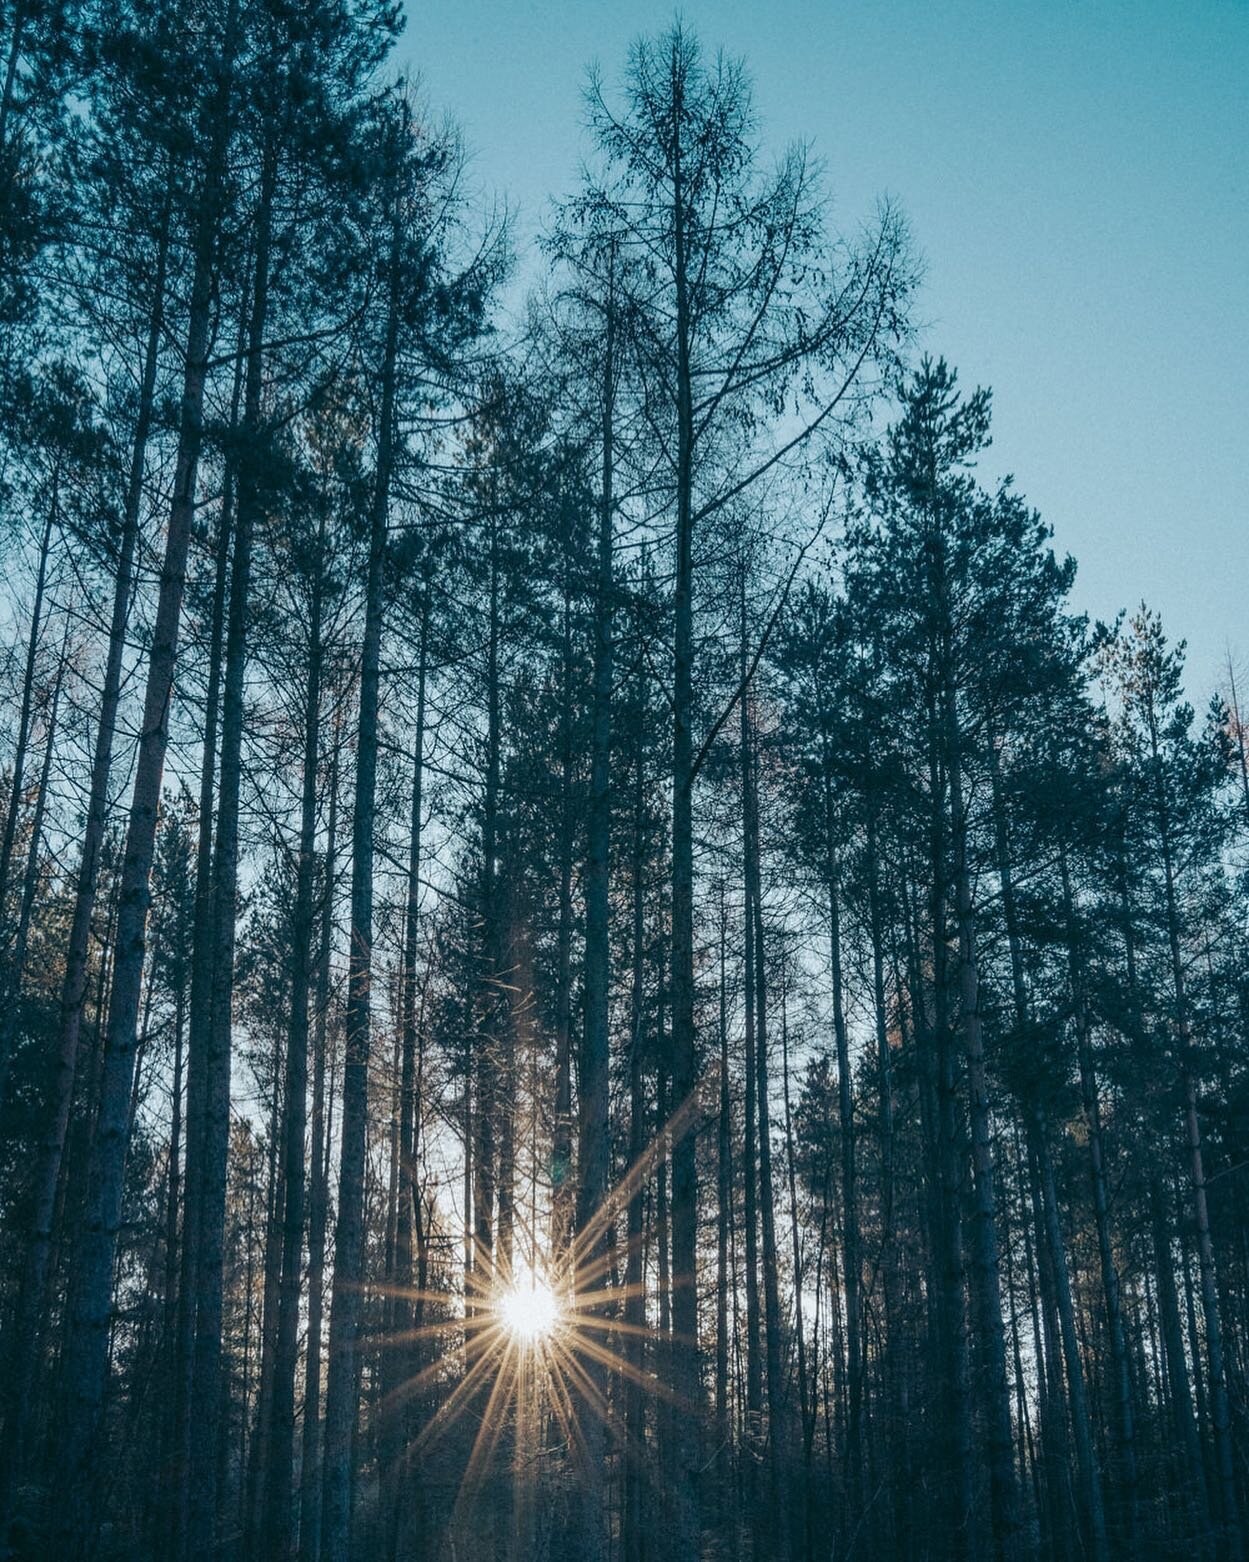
[1077, 179]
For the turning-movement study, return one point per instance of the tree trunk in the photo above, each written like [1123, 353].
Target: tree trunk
[635, 1301]
[318, 1193]
[986, 1290]
[594, 1145]
[200, 1027]
[1101, 1212]
[28, 1330]
[18, 781]
[207, 1392]
[10, 1020]
[278, 1506]
[87, 1347]
[778, 1426]
[686, 1460]
[1036, 1118]
[346, 1300]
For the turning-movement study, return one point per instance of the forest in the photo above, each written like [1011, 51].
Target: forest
[595, 961]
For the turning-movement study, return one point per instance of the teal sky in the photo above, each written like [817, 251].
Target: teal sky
[1077, 179]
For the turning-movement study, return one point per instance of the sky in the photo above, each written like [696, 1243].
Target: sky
[1076, 178]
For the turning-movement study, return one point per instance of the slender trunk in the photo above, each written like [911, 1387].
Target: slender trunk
[1060, 1515]
[724, 1200]
[1101, 1212]
[11, 1018]
[318, 1197]
[20, 14]
[1036, 1118]
[18, 781]
[594, 1149]
[91, 1312]
[404, 1359]
[207, 1389]
[1192, 1471]
[346, 1301]
[686, 1528]
[845, 1113]
[754, 1338]
[804, 1391]
[173, 1203]
[947, 1164]
[28, 1330]
[778, 1426]
[1232, 1543]
[199, 1029]
[255, 1470]
[635, 1302]
[897, 1428]
[1086, 1454]
[490, 998]
[563, 1191]
[278, 1505]
[986, 1290]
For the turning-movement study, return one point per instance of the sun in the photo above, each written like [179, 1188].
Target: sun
[529, 1311]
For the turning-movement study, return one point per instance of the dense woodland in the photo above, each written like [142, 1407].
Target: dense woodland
[594, 961]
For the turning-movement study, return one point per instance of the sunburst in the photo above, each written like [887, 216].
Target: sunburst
[542, 1334]
[529, 1312]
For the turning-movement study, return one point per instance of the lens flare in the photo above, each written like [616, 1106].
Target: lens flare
[529, 1312]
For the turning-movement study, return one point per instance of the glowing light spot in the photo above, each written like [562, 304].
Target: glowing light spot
[529, 1311]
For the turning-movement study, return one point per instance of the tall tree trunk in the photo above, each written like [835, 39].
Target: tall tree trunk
[1101, 1212]
[17, 783]
[563, 1190]
[1191, 1466]
[897, 1427]
[804, 1391]
[346, 1300]
[1059, 1517]
[200, 1025]
[1086, 1454]
[91, 1312]
[845, 1112]
[1036, 1118]
[724, 1220]
[207, 1391]
[686, 1458]
[28, 1329]
[278, 1504]
[1232, 1542]
[947, 1161]
[404, 1357]
[778, 1425]
[594, 1145]
[254, 1471]
[490, 998]
[986, 1290]
[17, 39]
[10, 1020]
[635, 1301]
[754, 1336]
[318, 1193]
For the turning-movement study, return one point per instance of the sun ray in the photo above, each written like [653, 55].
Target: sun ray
[450, 1409]
[616, 1326]
[540, 1325]
[625, 1369]
[492, 1422]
